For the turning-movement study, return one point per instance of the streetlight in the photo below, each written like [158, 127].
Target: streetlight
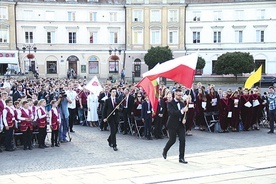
[29, 55]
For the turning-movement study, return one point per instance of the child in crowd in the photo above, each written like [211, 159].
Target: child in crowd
[54, 121]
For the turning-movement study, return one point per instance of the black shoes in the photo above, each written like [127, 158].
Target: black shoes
[182, 161]
[9, 149]
[109, 143]
[41, 146]
[72, 131]
[45, 146]
[164, 154]
[56, 145]
[115, 148]
[270, 132]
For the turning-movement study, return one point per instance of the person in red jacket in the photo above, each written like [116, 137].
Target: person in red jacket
[26, 127]
[8, 120]
[54, 121]
[42, 123]
[225, 114]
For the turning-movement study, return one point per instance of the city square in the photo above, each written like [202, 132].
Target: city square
[241, 157]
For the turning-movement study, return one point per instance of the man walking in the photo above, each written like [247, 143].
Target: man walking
[113, 120]
[176, 125]
[272, 108]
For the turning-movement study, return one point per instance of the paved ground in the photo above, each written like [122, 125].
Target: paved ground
[210, 156]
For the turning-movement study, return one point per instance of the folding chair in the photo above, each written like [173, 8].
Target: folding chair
[138, 125]
[211, 119]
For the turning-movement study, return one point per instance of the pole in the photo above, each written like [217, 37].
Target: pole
[115, 108]
[185, 114]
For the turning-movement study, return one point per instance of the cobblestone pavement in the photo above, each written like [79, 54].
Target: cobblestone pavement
[89, 148]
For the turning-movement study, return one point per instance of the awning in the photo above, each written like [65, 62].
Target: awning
[8, 57]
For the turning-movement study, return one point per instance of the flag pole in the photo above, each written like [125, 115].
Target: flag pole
[185, 114]
[115, 108]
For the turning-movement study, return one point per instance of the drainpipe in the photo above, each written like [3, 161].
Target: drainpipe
[124, 61]
[185, 28]
[15, 32]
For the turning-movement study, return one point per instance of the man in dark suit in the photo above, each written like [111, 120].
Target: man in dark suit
[176, 125]
[128, 104]
[18, 93]
[113, 120]
[193, 93]
[146, 115]
[102, 97]
[158, 119]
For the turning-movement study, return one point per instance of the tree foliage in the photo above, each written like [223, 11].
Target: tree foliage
[200, 63]
[235, 63]
[157, 55]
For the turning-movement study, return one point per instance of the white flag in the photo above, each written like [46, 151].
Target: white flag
[94, 86]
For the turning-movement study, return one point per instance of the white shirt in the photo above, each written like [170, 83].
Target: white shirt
[5, 112]
[72, 95]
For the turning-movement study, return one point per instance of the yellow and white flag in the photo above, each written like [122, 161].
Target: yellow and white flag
[255, 77]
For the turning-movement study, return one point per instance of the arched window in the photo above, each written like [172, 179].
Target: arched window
[114, 64]
[93, 65]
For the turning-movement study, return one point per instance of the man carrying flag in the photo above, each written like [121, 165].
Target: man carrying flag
[181, 70]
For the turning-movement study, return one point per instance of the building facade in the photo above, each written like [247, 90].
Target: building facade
[152, 23]
[217, 28]
[101, 37]
[8, 51]
[71, 37]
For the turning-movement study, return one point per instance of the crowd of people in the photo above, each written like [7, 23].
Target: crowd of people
[28, 106]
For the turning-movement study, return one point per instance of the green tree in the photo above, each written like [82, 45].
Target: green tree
[200, 63]
[235, 63]
[157, 55]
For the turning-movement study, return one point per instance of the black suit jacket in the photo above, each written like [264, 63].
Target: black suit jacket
[175, 116]
[144, 112]
[108, 108]
[193, 94]
[130, 104]
[160, 107]
[16, 96]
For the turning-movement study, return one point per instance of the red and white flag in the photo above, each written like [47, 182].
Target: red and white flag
[151, 89]
[181, 70]
[94, 86]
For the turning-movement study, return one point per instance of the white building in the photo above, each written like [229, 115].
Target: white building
[216, 28]
[71, 35]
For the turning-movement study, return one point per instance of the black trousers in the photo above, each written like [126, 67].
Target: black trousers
[54, 137]
[72, 118]
[103, 125]
[158, 124]
[113, 130]
[127, 118]
[42, 132]
[27, 138]
[180, 131]
[8, 138]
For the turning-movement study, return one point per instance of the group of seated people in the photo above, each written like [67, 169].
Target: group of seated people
[28, 106]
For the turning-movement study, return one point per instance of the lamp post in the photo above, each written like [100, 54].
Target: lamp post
[30, 56]
[114, 57]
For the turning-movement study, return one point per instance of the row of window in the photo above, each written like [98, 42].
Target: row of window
[155, 37]
[138, 15]
[93, 67]
[238, 36]
[218, 15]
[72, 37]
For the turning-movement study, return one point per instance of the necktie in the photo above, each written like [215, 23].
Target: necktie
[178, 105]
[112, 101]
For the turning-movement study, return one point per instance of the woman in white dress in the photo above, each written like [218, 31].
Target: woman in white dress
[92, 105]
